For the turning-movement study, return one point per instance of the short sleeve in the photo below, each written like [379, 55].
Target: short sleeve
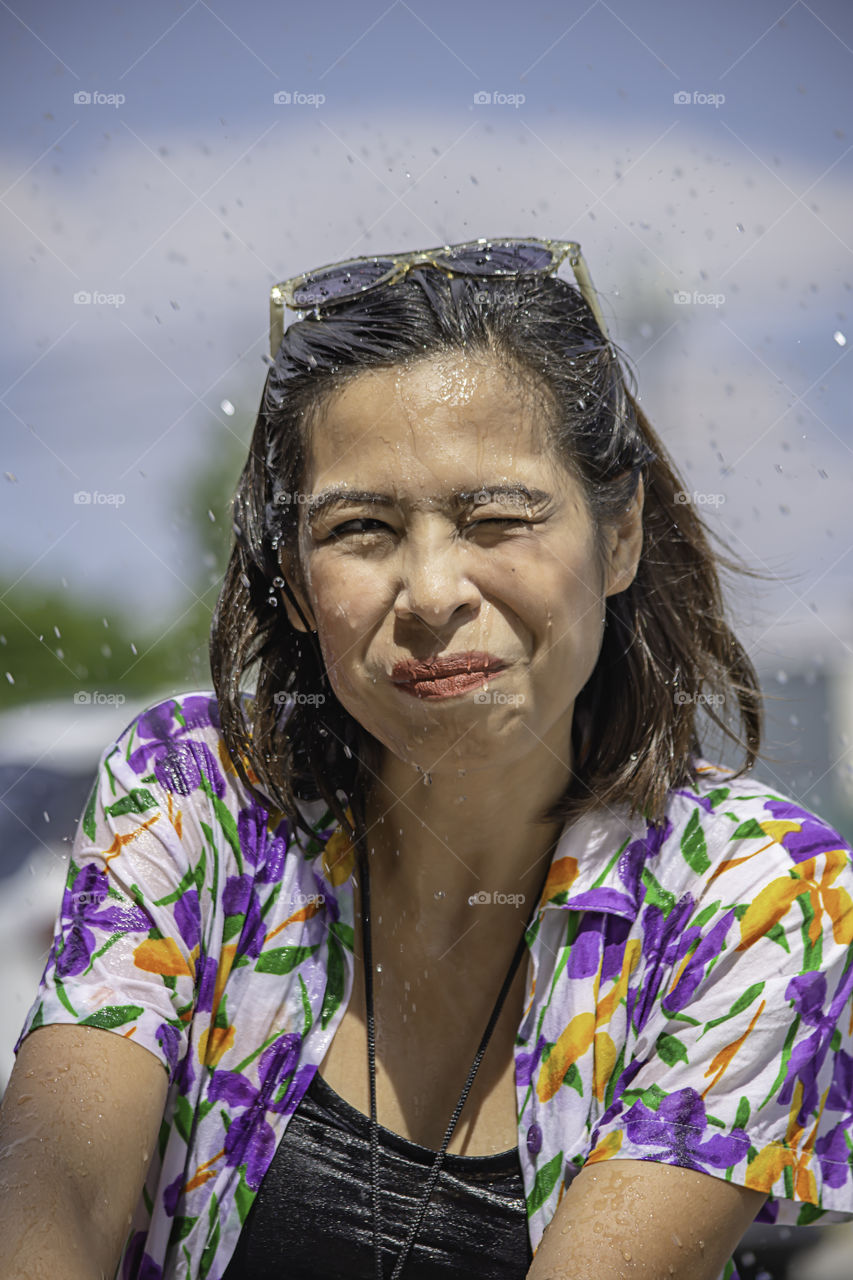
[129, 927]
[742, 1062]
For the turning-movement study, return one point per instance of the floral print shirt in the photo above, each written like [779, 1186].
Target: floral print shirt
[688, 993]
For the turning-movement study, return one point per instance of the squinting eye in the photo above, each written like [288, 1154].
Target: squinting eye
[341, 530]
[500, 520]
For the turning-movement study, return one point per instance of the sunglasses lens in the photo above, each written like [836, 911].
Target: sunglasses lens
[340, 282]
[494, 259]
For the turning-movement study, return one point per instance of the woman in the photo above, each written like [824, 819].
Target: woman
[444, 826]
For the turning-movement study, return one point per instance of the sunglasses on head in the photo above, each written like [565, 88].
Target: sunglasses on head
[340, 281]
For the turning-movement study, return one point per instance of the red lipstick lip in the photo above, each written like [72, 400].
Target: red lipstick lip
[409, 671]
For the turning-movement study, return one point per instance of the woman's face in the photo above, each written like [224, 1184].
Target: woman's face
[450, 567]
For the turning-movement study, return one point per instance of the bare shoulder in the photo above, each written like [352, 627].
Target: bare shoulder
[78, 1125]
[659, 1218]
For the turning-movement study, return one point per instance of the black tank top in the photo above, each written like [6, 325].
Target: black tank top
[312, 1216]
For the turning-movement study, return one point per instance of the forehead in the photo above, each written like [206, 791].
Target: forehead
[436, 411]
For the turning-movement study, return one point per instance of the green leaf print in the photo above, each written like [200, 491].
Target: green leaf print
[750, 830]
[89, 815]
[742, 1002]
[334, 982]
[114, 1015]
[670, 1049]
[693, 847]
[136, 801]
[283, 959]
[244, 1195]
[545, 1181]
[656, 895]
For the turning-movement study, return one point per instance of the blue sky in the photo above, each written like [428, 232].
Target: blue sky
[181, 204]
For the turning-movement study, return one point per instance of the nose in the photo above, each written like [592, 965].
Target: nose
[434, 583]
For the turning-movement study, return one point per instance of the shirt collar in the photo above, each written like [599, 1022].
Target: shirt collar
[598, 863]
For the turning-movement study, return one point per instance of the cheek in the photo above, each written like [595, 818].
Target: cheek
[348, 606]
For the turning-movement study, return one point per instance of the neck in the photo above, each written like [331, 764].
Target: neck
[468, 832]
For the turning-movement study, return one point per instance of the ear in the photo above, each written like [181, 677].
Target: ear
[294, 587]
[624, 545]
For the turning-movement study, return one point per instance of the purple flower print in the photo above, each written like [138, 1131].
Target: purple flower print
[251, 1138]
[137, 1265]
[694, 971]
[180, 766]
[527, 1064]
[808, 995]
[82, 911]
[170, 1042]
[534, 1139]
[677, 1129]
[814, 837]
[834, 1157]
[638, 853]
[841, 1090]
[178, 762]
[261, 849]
[205, 977]
[188, 917]
[586, 949]
[241, 898]
[666, 939]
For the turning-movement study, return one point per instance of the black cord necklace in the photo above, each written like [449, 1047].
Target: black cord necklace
[371, 1059]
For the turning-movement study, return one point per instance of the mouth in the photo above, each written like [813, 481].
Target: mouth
[446, 676]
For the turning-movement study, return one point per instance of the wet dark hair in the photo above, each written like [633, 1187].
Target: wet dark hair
[667, 645]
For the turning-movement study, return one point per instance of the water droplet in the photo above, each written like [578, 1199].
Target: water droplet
[739, 226]
[379, 968]
[781, 677]
[839, 337]
[227, 407]
[439, 893]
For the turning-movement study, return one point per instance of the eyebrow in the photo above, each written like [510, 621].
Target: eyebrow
[512, 494]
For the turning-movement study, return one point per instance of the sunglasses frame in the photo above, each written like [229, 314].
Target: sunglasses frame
[283, 293]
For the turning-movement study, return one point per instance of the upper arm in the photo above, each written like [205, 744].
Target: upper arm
[78, 1126]
[634, 1218]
